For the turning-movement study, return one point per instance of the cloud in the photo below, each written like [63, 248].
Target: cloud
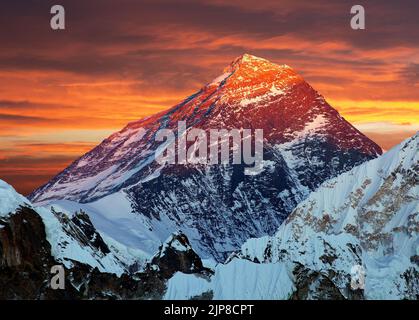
[31, 106]
[18, 119]
[410, 73]
[26, 173]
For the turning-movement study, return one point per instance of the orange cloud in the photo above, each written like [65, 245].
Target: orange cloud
[365, 111]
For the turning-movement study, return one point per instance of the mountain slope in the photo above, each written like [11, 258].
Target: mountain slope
[306, 142]
[365, 220]
[32, 240]
[72, 237]
[368, 216]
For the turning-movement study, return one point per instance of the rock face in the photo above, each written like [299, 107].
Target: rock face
[218, 207]
[23, 240]
[312, 285]
[177, 255]
[81, 228]
[26, 260]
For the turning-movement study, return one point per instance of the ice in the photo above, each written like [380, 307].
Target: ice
[239, 279]
[186, 286]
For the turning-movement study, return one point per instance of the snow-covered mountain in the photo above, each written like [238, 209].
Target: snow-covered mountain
[72, 237]
[138, 202]
[360, 228]
[356, 237]
[32, 240]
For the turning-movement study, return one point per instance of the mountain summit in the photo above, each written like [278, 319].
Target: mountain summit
[140, 202]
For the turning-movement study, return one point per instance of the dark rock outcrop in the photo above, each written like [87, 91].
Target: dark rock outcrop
[26, 261]
[313, 285]
[80, 227]
[176, 254]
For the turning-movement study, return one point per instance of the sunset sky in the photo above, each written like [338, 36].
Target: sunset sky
[62, 92]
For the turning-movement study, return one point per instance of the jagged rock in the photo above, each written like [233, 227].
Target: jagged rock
[26, 261]
[25, 258]
[23, 240]
[312, 285]
[93, 284]
[176, 254]
[81, 228]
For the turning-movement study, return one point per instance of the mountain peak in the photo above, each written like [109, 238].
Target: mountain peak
[249, 58]
[249, 73]
[256, 63]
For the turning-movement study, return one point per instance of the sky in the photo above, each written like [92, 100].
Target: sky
[62, 92]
